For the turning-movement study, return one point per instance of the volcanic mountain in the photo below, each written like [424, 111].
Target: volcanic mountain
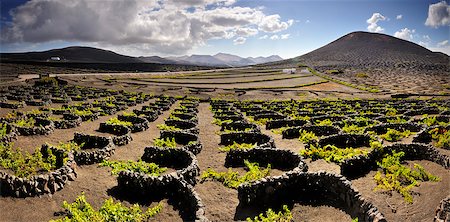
[364, 49]
[73, 54]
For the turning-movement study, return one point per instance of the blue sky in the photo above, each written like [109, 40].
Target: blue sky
[244, 27]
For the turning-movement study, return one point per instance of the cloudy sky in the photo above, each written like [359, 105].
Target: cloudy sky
[243, 27]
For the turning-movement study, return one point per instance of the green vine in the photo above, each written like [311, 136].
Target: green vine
[81, 210]
[232, 179]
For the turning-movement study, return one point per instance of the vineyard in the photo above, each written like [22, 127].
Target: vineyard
[72, 152]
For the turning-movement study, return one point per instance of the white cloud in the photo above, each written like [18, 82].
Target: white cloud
[264, 37]
[438, 15]
[272, 23]
[373, 22]
[399, 17]
[424, 44]
[274, 37]
[246, 31]
[137, 26]
[443, 43]
[427, 38]
[239, 41]
[285, 36]
[405, 34]
[444, 49]
[307, 21]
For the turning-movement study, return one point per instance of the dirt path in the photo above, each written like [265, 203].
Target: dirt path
[135, 149]
[220, 202]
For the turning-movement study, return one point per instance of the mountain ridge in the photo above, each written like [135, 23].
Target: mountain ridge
[83, 54]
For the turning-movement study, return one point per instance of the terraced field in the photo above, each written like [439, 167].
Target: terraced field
[194, 147]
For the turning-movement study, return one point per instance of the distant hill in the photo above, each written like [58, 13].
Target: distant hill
[156, 59]
[78, 54]
[223, 59]
[72, 54]
[364, 49]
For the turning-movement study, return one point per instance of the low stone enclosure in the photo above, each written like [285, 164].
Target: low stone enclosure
[95, 148]
[183, 161]
[278, 159]
[121, 134]
[382, 128]
[278, 123]
[10, 134]
[294, 132]
[309, 188]
[178, 191]
[424, 136]
[175, 186]
[37, 185]
[69, 121]
[189, 126]
[346, 140]
[361, 165]
[139, 124]
[41, 127]
[241, 126]
[443, 211]
[262, 140]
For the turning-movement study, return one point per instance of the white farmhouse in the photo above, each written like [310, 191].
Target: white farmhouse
[55, 58]
[289, 71]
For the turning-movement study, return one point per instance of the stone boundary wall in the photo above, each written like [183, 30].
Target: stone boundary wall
[327, 188]
[183, 161]
[42, 127]
[262, 140]
[95, 149]
[294, 132]
[346, 140]
[278, 159]
[37, 185]
[360, 165]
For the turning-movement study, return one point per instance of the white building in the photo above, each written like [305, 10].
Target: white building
[55, 58]
[289, 71]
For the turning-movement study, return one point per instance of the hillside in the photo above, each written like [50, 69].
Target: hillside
[72, 54]
[363, 49]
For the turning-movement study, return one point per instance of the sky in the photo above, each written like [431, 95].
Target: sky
[287, 28]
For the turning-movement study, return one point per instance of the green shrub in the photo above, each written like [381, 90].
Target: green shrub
[231, 179]
[441, 136]
[307, 137]
[138, 167]
[397, 120]
[400, 178]
[238, 146]
[353, 128]
[3, 129]
[393, 135]
[270, 216]
[81, 210]
[361, 75]
[167, 128]
[221, 122]
[24, 164]
[431, 121]
[28, 122]
[325, 122]
[81, 112]
[115, 121]
[167, 142]
[331, 153]
[69, 146]
[129, 114]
